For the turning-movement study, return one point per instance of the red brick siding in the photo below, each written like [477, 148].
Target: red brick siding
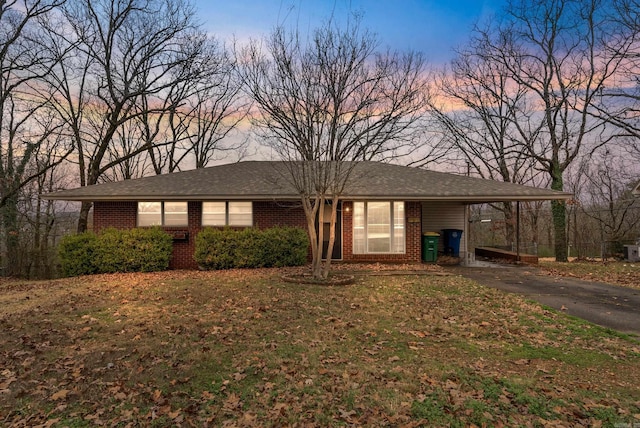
[182, 257]
[123, 215]
[269, 214]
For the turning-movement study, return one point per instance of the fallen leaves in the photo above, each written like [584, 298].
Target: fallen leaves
[60, 395]
[612, 272]
[241, 348]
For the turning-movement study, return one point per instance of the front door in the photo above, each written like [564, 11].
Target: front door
[337, 246]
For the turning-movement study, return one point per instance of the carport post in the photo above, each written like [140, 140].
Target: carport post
[518, 231]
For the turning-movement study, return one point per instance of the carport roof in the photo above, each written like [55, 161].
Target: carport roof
[268, 180]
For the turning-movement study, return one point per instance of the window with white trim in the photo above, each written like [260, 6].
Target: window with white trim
[230, 213]
[378, 227]
[162, 214]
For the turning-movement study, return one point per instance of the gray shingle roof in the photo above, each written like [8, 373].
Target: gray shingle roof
[266, 180]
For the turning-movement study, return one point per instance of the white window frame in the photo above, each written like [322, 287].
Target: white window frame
[162, 214]
[393, 226]
[228, 220]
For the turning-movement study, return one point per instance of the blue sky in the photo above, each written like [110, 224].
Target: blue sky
[434, 27]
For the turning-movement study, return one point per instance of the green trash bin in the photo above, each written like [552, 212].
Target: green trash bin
[430, 246]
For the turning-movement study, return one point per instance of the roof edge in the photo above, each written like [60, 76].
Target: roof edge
[464, 199]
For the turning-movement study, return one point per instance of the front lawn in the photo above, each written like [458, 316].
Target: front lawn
[621, 273]
[243, 348]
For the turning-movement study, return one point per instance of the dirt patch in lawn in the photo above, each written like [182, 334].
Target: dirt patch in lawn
[244, 348]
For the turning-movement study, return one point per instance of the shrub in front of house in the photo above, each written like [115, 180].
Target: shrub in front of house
[115, 250]
[133, 250]
[76, 254]
[216, 248]
[286, 246]
[251, 248]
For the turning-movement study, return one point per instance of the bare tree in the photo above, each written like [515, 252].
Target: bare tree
[123, 153]
[326, 103]
[26, 125]
[206, 111]
[120, 59]
[556, 50]
[478, 104]
[620, 103]
[609, 199]
[42, 222]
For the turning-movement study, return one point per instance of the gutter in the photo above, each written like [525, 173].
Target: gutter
[453, 198]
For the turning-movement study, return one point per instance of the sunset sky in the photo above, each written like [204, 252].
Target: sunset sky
[433, 27]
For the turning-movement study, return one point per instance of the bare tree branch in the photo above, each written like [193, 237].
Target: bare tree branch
[328, 102]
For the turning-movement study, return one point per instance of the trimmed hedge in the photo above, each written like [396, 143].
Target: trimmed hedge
[76, 254]
[251, 248]
[133, 250]
[115, 250]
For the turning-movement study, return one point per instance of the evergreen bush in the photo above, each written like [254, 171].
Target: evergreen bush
[76, 254]
[115, 250]
[133, 250]
[216, 248]
[286, 246]
[251, 248]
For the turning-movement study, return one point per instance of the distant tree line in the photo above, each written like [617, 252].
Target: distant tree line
[99, 90]
[545, 93]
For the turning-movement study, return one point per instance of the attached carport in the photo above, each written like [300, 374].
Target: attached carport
[450, 213]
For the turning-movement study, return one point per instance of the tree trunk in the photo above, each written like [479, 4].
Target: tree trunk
[83, 221]
[317, 243]
[11, 236]
[559, 215]
[310, 207]
[509, 222]
[332, 237]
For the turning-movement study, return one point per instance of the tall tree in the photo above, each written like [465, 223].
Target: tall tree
[121, 57]
[26, 125]
[557, 51]
[476, 108]
[327, 102]
[206, 111]
[620, 103]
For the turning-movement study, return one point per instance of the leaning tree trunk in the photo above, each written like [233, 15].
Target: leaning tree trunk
[83, 221]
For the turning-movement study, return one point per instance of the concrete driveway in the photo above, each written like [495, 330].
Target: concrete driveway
[607, 305]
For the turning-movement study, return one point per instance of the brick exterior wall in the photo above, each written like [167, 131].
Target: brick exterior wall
[268, 214]
[123, 215]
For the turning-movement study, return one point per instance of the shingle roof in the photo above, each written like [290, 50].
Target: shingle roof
[266, 180]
